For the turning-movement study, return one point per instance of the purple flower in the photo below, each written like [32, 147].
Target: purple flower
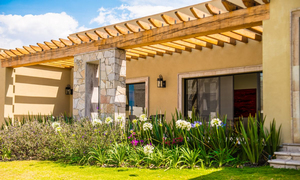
[82, 136]
[196, 124]
[134, 142]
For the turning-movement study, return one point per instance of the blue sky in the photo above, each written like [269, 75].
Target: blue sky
[24, 22]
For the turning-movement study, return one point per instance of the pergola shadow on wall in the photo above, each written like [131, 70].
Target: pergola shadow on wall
[206, 25]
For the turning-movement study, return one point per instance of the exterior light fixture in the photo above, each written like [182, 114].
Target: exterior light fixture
[68, 90]
[160, 82]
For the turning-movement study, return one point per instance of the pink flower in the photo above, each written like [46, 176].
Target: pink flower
[134, 142]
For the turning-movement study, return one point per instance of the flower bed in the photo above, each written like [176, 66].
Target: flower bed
[141, 142]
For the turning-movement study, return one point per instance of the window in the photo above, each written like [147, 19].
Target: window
[231, 95]
[135, 99]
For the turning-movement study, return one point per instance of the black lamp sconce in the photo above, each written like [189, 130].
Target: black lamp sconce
[160, 82]
[69, 90]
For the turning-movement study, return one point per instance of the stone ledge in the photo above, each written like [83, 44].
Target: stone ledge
[291, 144]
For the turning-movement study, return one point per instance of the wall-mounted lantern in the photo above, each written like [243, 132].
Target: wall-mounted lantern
[160, 82]
[69, 90]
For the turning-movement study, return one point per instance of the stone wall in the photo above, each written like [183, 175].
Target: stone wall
[112, 72]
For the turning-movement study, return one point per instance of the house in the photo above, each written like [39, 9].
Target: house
[227, 57]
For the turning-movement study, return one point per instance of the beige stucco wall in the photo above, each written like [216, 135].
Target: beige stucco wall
[277, 64]
[37, 90]
[165, 99]
[2, 93]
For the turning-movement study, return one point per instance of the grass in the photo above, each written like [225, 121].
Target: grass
[53, 170]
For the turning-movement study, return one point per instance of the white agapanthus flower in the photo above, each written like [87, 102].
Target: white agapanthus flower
[108, 120]
[143, 117]
[58, 129]
[148, 149]
[96, 122]
[119, 118]
[215, 122]
[134, 121]
[55, 125]
[182, 124]
[147, 126]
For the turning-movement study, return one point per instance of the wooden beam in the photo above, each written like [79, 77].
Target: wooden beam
[248, 34]
[236, 36]
[75, 40]
[184, 17]
[211, 40]
[187, 44]
[213, 10]
[136, 55]
[92, 36]
[169, 19]
[132, 28]
[158, 50]
[29, 49]
[199, 42]
[101, 34]
[66, 42]
[83, 38]
[167, 49]
[43, 46]
[156, 23]
[143, 25]
[58, 43]
[111, 32]
[121, 30]
[140, 52]
[250, 3]
[256, 29]
[22, 51]
[50, 45]
[229, 6]
[225, 39]
[266, 1]
[36, 48]
[4, 55]
[235, 20]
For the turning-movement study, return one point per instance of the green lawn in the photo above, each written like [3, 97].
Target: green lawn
[53, 170]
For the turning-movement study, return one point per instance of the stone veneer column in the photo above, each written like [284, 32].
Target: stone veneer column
[112, 82]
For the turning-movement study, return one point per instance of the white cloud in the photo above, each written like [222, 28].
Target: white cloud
[138, 8]
[17, 31]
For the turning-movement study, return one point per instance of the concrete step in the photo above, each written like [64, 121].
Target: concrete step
[286, 155]
[284, 163]
[290, 147]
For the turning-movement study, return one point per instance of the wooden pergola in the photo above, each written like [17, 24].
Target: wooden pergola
[169, 34]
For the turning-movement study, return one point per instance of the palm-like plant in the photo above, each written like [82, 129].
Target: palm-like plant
[98, 155]
[191, 158]
[117, 155]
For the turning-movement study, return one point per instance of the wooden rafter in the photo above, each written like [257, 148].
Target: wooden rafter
[149, 51]
[250, 3]
[229, 6]
[16, 52]
[199, 42]
[187, 44]
[4, 55]
[166, 48]
[43, 46]
[213, 10]
[211, 40]
[111, 32]
[140, 52]
[50, 45]
[121, 29]
[58, 43]
[29, 49]
[156, 23]
[74, 40]
[22, 51]
[66, 42]
[92, 36]
[256, 29]
[158, 50]
[83, 38]
[236, 36]
[132, 28]
[225, 39]
[177, 47]
[248, 34]
[9, 53]
[136, 55]
[143, 25]
[198, 14]
[169, 19]
[184, 17]
[36, 48]
[266, 1]
[101, 34]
